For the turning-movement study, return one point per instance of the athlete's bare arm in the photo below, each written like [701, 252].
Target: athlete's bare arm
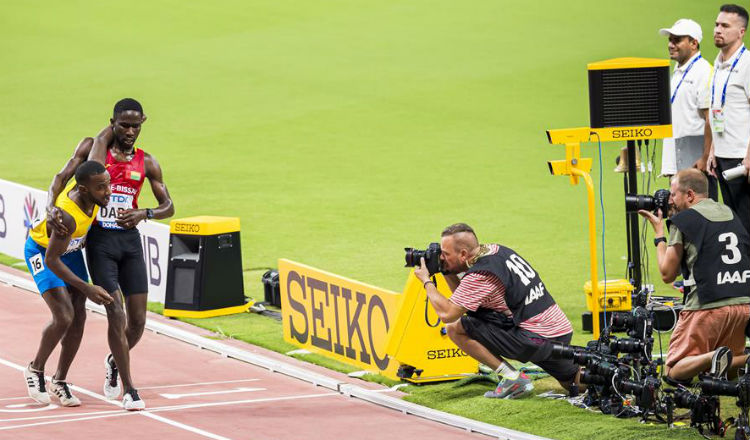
[101, 144]
[54, 214]
[58, 244]
[131, 217]
[82, 153]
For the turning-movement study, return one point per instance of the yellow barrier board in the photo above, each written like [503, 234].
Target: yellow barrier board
[338, 317]
[418, 339]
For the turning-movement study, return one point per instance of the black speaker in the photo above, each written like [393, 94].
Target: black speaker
[628, 94]
[204, 273]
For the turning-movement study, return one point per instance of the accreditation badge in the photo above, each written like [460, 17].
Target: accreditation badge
[717, 120]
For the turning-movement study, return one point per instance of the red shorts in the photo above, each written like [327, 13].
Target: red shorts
[703, 331]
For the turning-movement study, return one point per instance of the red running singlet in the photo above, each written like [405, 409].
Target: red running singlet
[126, 183]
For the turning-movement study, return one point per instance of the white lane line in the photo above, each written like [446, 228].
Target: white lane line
[65, 414]
[240, 402]
[16, 398]
[210, 393]
[196, 384]
[107, 414]
[143, 413]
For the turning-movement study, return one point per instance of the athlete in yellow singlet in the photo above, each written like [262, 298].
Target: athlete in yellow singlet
[56, 262]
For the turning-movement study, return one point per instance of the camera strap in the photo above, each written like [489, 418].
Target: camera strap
[427, 306]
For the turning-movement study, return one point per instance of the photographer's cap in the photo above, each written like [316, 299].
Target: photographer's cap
[684, 26]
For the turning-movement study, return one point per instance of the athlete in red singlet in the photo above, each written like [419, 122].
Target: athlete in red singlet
[113, 251]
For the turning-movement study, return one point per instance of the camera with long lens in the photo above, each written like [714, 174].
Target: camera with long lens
[704, 409]
[627, 345]
[660, 201]
[579, 355]
[645, 391]
[637, 324]
[431, 257]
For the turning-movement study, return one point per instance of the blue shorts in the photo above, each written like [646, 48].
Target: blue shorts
[44, 278]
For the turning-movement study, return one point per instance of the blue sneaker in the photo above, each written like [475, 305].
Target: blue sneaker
[512, 388]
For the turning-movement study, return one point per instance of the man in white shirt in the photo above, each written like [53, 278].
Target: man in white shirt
[729, 114]
[691, 141]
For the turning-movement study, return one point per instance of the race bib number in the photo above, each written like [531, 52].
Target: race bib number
[717, 120]
[37, 264]
[107, 216]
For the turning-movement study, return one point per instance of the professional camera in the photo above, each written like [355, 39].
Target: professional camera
[579, 355]
[660, 201]
[645, 392]
[627, 345]
[637, 324]
[431, 257]
[704, 410]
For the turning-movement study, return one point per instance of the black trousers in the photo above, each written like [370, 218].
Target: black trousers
[736, 192]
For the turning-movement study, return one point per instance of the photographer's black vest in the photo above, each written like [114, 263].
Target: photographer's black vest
[722, 267]
[525, 293]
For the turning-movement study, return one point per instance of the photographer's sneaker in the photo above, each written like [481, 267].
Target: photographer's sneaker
[132, 402]
[35, 385]
[720, 363]
[112, 379]
[511, 388]
[61, 389]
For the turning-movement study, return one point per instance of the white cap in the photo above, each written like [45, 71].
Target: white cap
[684, 26]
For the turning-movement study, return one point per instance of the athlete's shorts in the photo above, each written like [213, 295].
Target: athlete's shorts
[44, 278]
[115, 260]
[521, 345]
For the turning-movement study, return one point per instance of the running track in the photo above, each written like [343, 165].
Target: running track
[190, 393]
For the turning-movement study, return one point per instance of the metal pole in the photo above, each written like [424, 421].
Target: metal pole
[634, 244]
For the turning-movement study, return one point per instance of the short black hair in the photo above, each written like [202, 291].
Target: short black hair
[88, 169]
[127, 104]
[735, 9]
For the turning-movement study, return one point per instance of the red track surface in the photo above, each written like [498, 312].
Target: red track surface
[190, 393]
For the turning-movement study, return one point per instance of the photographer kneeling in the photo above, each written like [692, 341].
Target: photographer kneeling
[499, 309]
[709, 244]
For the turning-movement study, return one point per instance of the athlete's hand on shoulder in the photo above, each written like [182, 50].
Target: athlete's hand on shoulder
[55, 221]
[129, 218]
[98, 295]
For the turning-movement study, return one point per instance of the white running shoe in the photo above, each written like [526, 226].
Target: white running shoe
[132, 402]
[35, 384]
[61, 389]
[112, 379]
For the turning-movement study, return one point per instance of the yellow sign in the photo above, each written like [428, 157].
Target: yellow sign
[419, 342]
[204, 225]
[337, 317]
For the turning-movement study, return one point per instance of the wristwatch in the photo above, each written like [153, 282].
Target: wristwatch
[658, 240]
[149, 213]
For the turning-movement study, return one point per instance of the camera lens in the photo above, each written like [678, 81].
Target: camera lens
[635, 203]
[413, 256]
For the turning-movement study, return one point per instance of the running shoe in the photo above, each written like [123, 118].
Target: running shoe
[512, 388]
[61, 389]
[35, 384]
[132, 402]
[111, 378]
[720, 363]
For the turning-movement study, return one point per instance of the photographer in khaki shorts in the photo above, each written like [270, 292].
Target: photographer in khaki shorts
[709, 244]
[499, 309]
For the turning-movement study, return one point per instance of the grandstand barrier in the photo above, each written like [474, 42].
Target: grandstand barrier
[21, 205]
